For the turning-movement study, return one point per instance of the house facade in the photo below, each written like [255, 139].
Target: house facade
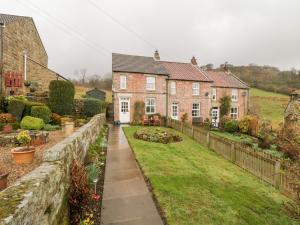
[22, 56]
[172, 89]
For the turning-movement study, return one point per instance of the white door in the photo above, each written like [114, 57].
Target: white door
[175, 111]
[124, 110]
[215, 116]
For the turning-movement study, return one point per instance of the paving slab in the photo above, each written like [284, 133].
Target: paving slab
[126, 197]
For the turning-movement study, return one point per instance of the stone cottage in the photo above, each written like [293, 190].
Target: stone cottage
[173, 89]
[23, 57]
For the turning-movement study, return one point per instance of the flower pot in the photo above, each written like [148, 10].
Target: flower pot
[3, 180]
[23, 155]
[7, 128]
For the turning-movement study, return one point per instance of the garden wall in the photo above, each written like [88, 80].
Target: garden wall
[41, 197]
[260, 164]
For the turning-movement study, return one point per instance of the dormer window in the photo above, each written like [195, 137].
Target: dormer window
[150, 83]
[195, 89]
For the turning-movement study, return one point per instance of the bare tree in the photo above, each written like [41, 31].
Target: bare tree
[83, 74]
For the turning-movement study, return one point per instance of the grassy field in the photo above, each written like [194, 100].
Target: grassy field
[271, 105]
[194, 186]
[81, 90]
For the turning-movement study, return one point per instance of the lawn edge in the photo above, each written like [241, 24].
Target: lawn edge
[149, 185]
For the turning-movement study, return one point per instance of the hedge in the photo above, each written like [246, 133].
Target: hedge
[16, 108]
[92, 107]
[42, 112]
[32, 123]
[28, 106]
[61, 97]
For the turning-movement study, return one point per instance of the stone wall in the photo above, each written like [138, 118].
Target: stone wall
[41, 197]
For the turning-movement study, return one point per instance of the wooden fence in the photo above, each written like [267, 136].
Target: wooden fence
[260, 164]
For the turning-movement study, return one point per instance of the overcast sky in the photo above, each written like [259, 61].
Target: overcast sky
[83, 33]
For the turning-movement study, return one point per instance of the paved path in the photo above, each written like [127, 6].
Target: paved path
[126, 198]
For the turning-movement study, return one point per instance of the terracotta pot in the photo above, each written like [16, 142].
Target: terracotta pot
[23, 155]
[37, 141]
[7, 128]
[3, 180]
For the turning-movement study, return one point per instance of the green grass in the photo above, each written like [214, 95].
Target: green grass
[195, 186]
[272, 105]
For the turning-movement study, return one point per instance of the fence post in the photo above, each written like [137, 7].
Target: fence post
[207, 139]
[277, 174]
[233, 152]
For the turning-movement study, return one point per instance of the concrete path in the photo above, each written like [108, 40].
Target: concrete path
[126, 198]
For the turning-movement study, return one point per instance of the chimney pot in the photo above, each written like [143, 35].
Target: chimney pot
[194, 61]
[156, 55]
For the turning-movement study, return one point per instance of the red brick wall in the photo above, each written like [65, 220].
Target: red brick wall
[136, 90]
[242, 102]
[185, 99]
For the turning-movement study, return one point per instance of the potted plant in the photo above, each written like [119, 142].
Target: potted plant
[24, 153]
[3, 180]
[7, 119]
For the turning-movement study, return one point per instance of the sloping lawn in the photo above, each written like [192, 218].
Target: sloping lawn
[196, 186]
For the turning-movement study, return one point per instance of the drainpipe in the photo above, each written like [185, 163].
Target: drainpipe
[2, 25]
[167, 99]
[25, 65]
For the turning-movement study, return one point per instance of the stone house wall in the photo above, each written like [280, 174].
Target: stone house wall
[41, 197]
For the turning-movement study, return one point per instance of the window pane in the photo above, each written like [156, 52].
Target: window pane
[150, 83]
[123, 82]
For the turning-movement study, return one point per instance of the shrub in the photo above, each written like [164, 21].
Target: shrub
[157, 135]
[29, 105]
[224, 120]
[138, 112]
[16, 125]
[42, 112]
[225, 103]
[7, 118]
[56, 119]
[184, 117]
[264, 134]
[92, 107]
[49, 127]
[61, 97]
[244, 124]
[16, 108]
[32, 123]
[23, 137]
[231, 126]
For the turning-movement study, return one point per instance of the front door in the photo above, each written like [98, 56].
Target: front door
[124, 110]
[175, 111]
[215, 116]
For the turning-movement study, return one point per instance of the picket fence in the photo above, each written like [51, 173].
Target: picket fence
[263, 165]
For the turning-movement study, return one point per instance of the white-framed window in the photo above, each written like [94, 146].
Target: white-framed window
[214, 94]
[195, 88]
[234, 95]
[173, 88]
[196, 110]
[175, 110]
[123, 83]
[150, 105]
[234, 113]
[150, 83]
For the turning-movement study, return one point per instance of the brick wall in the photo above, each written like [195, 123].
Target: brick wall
[185, 99]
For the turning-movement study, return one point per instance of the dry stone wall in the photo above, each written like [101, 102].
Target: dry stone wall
[41, 197]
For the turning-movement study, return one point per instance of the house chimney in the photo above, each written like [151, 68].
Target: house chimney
[156, 55]
[194, 61]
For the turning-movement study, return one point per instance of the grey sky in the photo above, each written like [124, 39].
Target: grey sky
[215, 31]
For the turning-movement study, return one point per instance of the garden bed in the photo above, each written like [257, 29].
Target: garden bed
[16, 170]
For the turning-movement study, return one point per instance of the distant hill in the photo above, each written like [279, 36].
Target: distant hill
[268, 78]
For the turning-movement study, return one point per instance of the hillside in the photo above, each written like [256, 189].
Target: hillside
[268, 78]
[81, 90]
[268, 105]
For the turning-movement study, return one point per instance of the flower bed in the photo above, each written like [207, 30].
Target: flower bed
[157, 135]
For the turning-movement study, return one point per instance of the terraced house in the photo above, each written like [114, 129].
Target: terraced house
[23, 57]
[173, 88]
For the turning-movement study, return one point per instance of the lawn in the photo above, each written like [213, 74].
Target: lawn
[271, 105]
[195, 186]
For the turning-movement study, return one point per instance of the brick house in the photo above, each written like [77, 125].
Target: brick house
[173, 88]
[22, 56]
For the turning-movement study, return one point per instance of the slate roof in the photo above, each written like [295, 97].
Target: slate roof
[223, 79]
[185, 71]
[137, 64]
[6, 18]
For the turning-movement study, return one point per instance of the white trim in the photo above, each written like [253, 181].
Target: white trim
[123, 82]
[197, 110]
[172, 88]
[152, 84]
[234, 94]
[196, 89]
[150, 105]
